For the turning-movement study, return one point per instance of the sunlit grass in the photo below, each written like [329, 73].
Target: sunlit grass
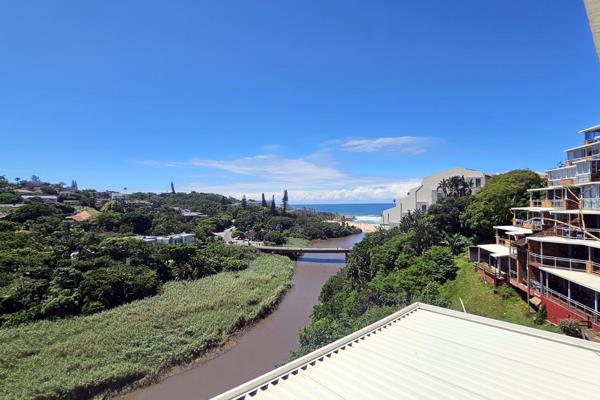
[482, 299]
[296, 242]
[79, 357]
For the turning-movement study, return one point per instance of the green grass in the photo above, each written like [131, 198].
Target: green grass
[296, 242]
[82, 356]
[482, 299]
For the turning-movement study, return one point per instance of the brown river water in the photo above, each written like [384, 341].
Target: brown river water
[265, 345]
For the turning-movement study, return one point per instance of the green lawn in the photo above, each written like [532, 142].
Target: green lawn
[482, 299]
[296, 242]
[78, 357]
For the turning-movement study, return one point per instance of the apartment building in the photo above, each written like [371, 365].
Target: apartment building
[551, 251]
[421, 197]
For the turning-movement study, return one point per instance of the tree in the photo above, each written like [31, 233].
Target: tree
[35, 179]
[244, 202]
[456, 186]
[273, 206]
[491, 205]
[3, 181]
[263, 201]
[172, 188]
[284, 201]
[445, 214]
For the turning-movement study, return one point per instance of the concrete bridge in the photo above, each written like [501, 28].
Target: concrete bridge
[302, 250]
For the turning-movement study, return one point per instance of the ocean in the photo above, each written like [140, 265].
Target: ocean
[368, 213]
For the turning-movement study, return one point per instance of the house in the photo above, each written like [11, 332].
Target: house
[50, 200]
[179, 238]
[119, 196]
[551, 251]
[427, 352]
[71, 202]
[427, 193]
[188, 214]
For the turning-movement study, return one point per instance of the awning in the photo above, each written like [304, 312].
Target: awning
[585, 279]
[495, 250]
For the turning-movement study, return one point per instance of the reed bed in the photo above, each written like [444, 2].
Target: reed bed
[137, 342]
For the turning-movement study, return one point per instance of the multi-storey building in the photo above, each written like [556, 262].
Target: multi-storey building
[551, 252]
[421, 197]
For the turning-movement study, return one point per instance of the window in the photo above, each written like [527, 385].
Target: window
[423, 207]
[477, 182]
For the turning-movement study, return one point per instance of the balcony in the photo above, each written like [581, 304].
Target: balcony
[572, 264]
[573, 233]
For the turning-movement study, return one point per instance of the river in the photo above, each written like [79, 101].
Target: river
[265, 345]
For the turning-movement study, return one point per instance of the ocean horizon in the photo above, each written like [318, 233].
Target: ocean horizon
[367, 213]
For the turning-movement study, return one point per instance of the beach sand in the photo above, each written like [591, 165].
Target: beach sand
[366, 228]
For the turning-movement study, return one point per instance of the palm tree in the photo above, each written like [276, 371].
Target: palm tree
[457, 242]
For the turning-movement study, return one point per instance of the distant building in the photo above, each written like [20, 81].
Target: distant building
[423, 196]
[119, 196]
[427, 352]
[50, 200]
[188, 214]
[178, 238]
[71, 202]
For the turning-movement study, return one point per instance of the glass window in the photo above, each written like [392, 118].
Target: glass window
[477, 182]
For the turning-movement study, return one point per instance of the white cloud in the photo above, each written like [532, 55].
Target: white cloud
[313, 179]
[403, 144]
[300, 194]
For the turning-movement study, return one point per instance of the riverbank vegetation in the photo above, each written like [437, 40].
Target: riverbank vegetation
[76, 252]
[79, 357]
[417, 261]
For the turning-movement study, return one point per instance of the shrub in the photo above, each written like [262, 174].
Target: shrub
[541, 315]
[570, 327]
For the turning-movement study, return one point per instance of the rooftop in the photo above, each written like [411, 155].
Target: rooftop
[427, 352]
[564, 240]
[496, 250]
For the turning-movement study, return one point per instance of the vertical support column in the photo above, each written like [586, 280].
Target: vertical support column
[569, 292]
[541, 283]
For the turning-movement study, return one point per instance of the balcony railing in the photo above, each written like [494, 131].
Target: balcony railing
[570, 303]
[571, 264]
[573, 233]
[532, 223]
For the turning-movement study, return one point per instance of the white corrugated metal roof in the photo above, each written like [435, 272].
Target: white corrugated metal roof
[590, 281]
[563, 240]
[535, 209]
[514, 230]
[583, 211]
[496, 250]
[427, 352]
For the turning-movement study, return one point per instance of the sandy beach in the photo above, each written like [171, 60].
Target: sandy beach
[366, 228]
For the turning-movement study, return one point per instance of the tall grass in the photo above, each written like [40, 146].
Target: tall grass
[83, 356]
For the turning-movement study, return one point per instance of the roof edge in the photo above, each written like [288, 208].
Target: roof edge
[262, 382]
[302, 362]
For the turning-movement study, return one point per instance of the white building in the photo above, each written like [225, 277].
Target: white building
[178, 238]
[426, 194]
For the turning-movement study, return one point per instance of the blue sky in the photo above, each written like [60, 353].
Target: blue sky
[337, 101]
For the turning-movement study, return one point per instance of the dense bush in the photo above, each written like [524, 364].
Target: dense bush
[491, 205]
